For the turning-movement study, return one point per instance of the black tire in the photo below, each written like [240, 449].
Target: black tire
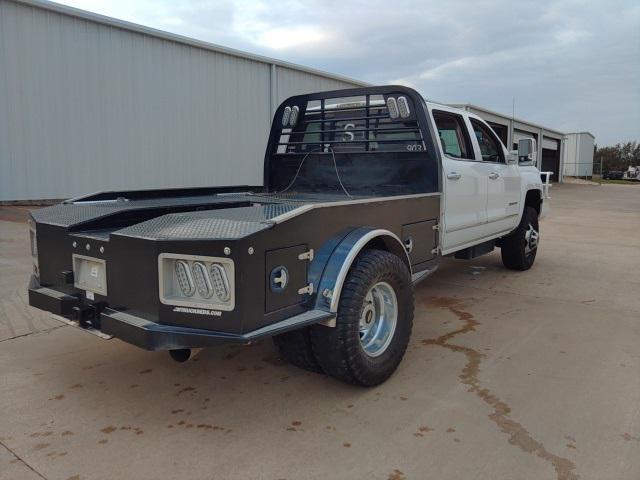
[339, 350]
[295, 348]
[514, 246]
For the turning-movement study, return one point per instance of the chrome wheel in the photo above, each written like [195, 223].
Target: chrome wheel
[379, 318]
[531, 238]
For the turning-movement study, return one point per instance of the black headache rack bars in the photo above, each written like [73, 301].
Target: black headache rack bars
[374, 135]
[369, 122]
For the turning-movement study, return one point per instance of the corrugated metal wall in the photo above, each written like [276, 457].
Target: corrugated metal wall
[578, 158]
[86, 105]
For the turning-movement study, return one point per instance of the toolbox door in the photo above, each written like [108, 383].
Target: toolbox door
[285, 275]
[419, 240]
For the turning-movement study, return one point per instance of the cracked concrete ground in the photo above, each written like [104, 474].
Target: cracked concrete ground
[532, 375]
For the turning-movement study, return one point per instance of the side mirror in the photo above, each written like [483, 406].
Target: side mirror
[527, 150]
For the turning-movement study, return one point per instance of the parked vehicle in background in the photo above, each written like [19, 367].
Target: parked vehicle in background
[613, 175]
[365, 190]
[632, 173]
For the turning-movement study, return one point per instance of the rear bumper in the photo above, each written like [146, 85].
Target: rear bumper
[157, 336]
[51, 300]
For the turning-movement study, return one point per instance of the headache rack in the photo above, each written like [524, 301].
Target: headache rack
[363, 141]
[363, 123]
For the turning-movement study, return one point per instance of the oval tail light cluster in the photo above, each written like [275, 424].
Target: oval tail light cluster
[398, 107]
[220, 282]
[185, 280]
[286, 114]
[392, 106]
[290, 116]
[403, 107]
[201, 277]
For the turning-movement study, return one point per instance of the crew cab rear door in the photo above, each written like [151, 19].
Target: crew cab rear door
[503, 181]
[465, 181]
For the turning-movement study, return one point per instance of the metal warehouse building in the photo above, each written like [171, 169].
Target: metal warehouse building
[91, 103]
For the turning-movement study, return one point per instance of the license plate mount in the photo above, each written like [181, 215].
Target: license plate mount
[90, 274]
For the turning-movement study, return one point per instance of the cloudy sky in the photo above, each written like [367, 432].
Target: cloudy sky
[570, 65]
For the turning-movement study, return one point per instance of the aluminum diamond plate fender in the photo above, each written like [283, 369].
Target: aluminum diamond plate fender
[334, 260]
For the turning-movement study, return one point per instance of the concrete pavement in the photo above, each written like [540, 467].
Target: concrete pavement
[528, 375]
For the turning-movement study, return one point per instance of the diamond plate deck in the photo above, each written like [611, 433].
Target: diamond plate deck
[247, 213]
[227, 224]
[76, 213]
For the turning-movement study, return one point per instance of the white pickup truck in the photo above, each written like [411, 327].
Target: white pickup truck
[365, 190]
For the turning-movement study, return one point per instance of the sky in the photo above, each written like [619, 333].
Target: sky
[569, 65]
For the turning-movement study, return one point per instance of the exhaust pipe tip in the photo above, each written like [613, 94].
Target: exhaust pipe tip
[180, 355]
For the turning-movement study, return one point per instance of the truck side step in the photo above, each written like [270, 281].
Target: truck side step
[476, 250]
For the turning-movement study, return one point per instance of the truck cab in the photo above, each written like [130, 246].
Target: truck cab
[485, 187]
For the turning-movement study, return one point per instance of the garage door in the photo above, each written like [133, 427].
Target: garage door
[551, 157]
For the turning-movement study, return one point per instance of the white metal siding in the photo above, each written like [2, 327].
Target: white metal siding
[586, 155]
[88, 106]
[294, 82]
[570, 155]
[578, 155]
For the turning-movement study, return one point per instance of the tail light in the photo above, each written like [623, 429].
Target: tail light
[196, 281]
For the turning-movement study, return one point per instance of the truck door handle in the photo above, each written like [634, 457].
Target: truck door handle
[494, 175]
[454, 176]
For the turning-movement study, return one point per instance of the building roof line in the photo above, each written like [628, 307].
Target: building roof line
[578, 133]
[172, 37]
[506, 117]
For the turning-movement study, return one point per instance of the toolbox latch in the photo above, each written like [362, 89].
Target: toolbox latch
[306, 290]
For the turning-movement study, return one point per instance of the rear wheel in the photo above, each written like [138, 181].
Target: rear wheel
[373, 326]
[295, 348]
[519, 248]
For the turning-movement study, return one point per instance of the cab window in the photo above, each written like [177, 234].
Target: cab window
[490, 147]
[453, 134]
